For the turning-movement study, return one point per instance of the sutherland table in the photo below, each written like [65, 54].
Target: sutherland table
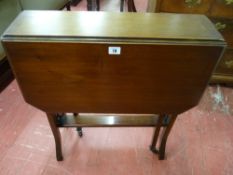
[155, 66]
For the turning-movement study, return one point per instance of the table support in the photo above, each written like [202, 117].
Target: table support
[156, 134]
[131, 6]
[165, 134]
[56, 134]
[167, 122]
[68, 8]
[98, 120]
[89, 5]
[122, 6]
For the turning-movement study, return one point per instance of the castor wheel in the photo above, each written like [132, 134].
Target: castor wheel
[80, 132]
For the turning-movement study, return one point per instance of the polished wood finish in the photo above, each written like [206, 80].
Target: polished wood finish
[226, 64]
[56, 133]
[105, 26]
[224, 71]
[167, 121]
[225, 27]
[108, 120]
[89, 83]
[220, 12]
[222, 79]
[183, 6]
[159, 124]
[222, 9]
[68, 68]
[165, 134]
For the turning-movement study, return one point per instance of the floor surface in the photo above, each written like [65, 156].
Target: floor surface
[201, 142]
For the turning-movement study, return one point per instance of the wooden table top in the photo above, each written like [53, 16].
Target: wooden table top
[102, 25]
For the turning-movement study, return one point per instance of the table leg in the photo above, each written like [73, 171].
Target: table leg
[97, 5]
[131, 6]
[156, 134]
[56, 134]
[165, 134]
[89, 5]
[122, 6]
[68, 6]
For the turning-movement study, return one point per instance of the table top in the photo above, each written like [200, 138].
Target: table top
[104, 25]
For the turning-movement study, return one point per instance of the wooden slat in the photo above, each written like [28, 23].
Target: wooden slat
[94, 120]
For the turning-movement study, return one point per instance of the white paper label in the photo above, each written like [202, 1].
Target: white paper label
[114, 50]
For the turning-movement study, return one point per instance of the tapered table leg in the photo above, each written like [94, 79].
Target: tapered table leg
[89, 5]
[156, 134]
[131, 6]
[97, 5]
[165, 134]
[68, 6]
[56, 134]
[122, 6]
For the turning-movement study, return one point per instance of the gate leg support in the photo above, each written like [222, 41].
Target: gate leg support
[56, 134]
[156, 134]
[165, 134]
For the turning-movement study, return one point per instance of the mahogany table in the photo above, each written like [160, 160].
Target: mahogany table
[155, 66]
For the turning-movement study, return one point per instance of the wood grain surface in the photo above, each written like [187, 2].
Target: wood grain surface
[67, 77]
[60, 24]
[165, 71]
